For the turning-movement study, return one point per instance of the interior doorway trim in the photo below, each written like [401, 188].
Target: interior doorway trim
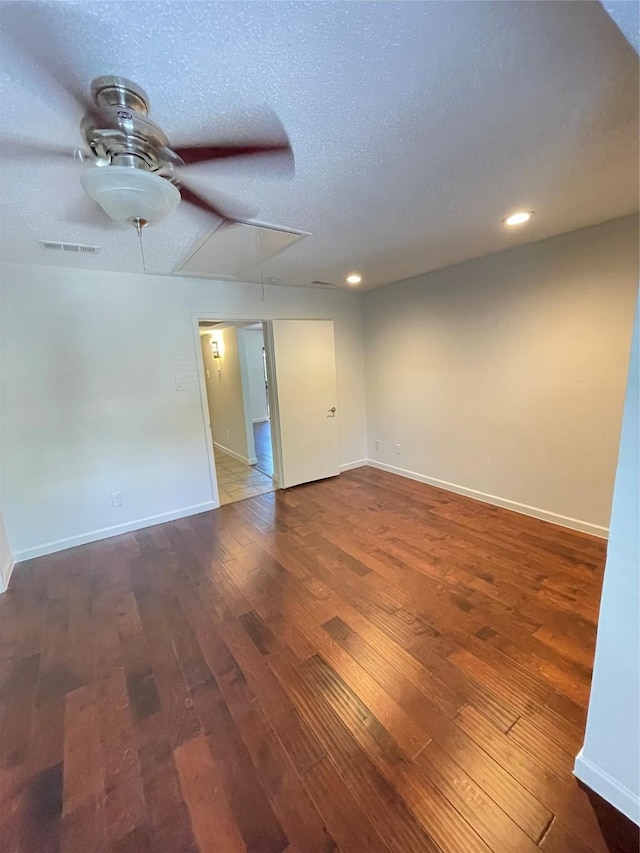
[221, 317]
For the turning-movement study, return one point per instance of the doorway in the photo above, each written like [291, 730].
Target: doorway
[298, 377]
[237, 387]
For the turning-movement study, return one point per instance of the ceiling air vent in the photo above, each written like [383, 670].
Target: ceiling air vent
[324, 283]
[77, 248]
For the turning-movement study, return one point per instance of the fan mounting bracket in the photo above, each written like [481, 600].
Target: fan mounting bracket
[112, 91]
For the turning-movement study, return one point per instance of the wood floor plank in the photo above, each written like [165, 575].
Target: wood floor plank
[361, 663]
[547, 751]
[230, 647]
[253, 813]
[570, 648]
[567, 735]
[390, 678]
[211, 817]
[83, 817]
[298, 740]
[387, 812]
[560, 793]
[284, 786]
[559, 839]
[436, 814]
[170, 820]
[527, 811]
[125, 808]
[493, 825]
[409, 734]
[343, 815]
[127, 614]
[56, 680]
[17, 695]
[180, 721]
[41, 821]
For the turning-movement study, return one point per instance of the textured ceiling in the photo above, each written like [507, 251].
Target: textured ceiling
[416, 126]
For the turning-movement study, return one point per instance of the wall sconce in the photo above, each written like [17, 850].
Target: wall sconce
[215, 349]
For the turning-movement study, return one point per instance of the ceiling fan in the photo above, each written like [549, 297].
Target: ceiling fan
[130, 167]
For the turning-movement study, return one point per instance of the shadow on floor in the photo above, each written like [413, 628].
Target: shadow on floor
[620, 833]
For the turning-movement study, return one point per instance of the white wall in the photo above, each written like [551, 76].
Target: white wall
[254, 342]
[610, 759]
[226, 395]
[90, 404]
[504, 377]
[6, 558]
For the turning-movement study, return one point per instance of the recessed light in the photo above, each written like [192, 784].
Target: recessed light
[518, 218]
[354, 278]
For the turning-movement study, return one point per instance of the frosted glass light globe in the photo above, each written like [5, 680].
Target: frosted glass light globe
[127, 194]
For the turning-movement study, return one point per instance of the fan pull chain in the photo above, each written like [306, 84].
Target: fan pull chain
[139, 224]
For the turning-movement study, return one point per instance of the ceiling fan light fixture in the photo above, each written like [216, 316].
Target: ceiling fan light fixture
[128, 195]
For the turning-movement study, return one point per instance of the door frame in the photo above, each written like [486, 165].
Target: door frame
[267, 328]
[274, 408]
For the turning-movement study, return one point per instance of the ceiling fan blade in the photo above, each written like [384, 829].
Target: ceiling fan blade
[191, 154]
[31, 29]
[261, 135]
[220, 208]
[14, 147]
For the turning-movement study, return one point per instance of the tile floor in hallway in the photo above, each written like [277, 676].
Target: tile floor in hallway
[237, 481]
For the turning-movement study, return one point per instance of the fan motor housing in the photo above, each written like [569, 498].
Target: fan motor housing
[120, 129]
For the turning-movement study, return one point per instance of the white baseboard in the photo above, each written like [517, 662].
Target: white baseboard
[5, 573]
[357, 463]
[107, 532]
[259, 420]
[138, 524]
[613, 792]
[524, 509]
[247, 460]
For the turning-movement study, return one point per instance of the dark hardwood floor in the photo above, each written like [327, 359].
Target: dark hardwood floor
[362, 664]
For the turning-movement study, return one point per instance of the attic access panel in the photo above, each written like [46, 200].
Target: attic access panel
[233, 249]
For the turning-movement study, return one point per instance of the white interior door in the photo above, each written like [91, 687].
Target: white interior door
[305, 373]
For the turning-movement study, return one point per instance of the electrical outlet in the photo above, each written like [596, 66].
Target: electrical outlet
[179, 383]
[376, 445]
[227, 433]
[398, 448]
[116, 498]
